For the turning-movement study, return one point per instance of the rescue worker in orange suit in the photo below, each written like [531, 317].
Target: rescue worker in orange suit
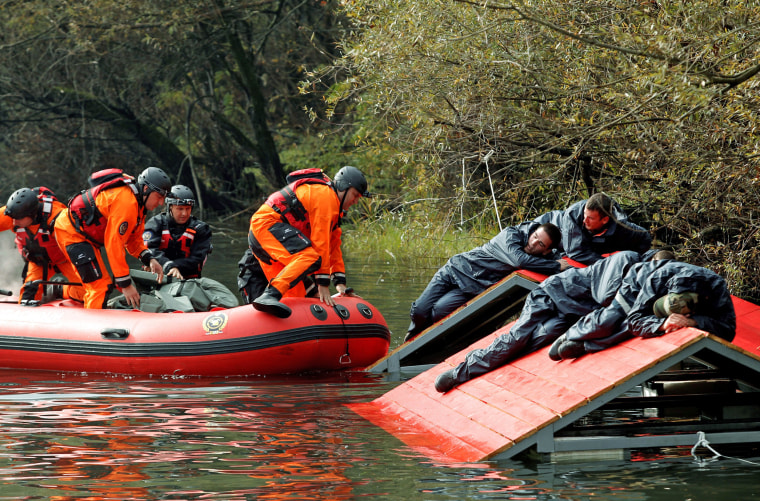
[183, 239]
[31, 214]
[111, 215]
[296, 233]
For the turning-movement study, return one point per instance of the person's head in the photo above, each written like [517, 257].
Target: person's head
[597, 212]
[543, 240]
[180, 203]
[663, 254]
[23, 207]
[154, 186]
[351, 185]
[675, 302]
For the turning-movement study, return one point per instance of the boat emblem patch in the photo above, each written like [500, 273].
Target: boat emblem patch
[215, 323]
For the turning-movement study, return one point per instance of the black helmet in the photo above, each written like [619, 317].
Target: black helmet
[22, 203]
[351, 177]
[181, 195]
[155, 180]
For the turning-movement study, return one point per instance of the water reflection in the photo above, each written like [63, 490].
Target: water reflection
[291, 438]
[116, 438]
[281, 438]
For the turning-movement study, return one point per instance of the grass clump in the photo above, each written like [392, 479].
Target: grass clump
[415, 248]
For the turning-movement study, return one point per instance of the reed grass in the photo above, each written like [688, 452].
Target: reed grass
[416, 247]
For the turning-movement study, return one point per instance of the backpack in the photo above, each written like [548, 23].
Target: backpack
[193, 294]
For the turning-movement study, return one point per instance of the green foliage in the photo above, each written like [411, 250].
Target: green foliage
[416, 246]
[540, 103]
[204, 86]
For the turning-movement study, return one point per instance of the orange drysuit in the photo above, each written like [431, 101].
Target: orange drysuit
[288, 255]
[122, 229]
[42, 265]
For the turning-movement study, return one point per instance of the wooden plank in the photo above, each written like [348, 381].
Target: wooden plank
[479, 316]
[484, 342]
[513, 406]
[432, 411]
[553, 395]
[742, 307]
[748, 332]
[505, 421]
[747, 325]
[538, 365]
[436, 443]
[499, 410]
[498, 396]
[607, 368]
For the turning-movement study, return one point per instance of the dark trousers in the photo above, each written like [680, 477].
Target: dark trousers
[539, 325]
[440, 298]
[601, 328]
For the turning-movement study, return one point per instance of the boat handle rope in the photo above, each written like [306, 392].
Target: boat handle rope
[343, 314]
[702, 442]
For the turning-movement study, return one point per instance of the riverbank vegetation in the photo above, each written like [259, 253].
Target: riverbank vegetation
[466, 115]
[536, 104]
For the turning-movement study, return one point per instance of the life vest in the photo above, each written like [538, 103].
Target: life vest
[286, 203]
[183, 243]
[41, 247]
[84, 214]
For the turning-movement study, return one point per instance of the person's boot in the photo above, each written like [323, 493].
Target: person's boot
[445, 381]
[554, 349]
[269, 302]
[412, 332]
[572, 349]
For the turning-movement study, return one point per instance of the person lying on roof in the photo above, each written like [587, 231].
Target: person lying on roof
[595, 227]
[655, 298]
[528, 246]
[549, 310]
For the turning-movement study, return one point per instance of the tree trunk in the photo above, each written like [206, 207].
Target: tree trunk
[266, 150]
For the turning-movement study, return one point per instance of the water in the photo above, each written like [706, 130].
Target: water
[288, 438]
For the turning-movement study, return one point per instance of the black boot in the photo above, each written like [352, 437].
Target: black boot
[269, 302]
[412, 332]
[554, 349]
[445, 381]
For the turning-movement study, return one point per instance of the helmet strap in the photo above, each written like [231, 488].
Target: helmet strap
[144, 194]
[340, 208]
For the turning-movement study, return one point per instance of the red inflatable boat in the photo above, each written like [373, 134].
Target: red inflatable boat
[62, 336]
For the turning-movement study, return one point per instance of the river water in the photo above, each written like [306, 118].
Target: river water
[67, 436]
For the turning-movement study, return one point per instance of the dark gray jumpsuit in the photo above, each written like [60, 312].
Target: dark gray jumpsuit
[631, 312]
[470, 273]
[549, 310]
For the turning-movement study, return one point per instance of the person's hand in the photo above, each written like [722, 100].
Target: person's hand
[156, 268]
[174, 272]
[324, 295]
[345, 291]
[132, 296]
[677, 321]
[563, 265]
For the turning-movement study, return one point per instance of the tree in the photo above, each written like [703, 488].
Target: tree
[202, 89]
[540, 103]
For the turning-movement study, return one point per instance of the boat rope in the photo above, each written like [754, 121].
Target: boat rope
[344, 359]
[490, 182]
[702, 442]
